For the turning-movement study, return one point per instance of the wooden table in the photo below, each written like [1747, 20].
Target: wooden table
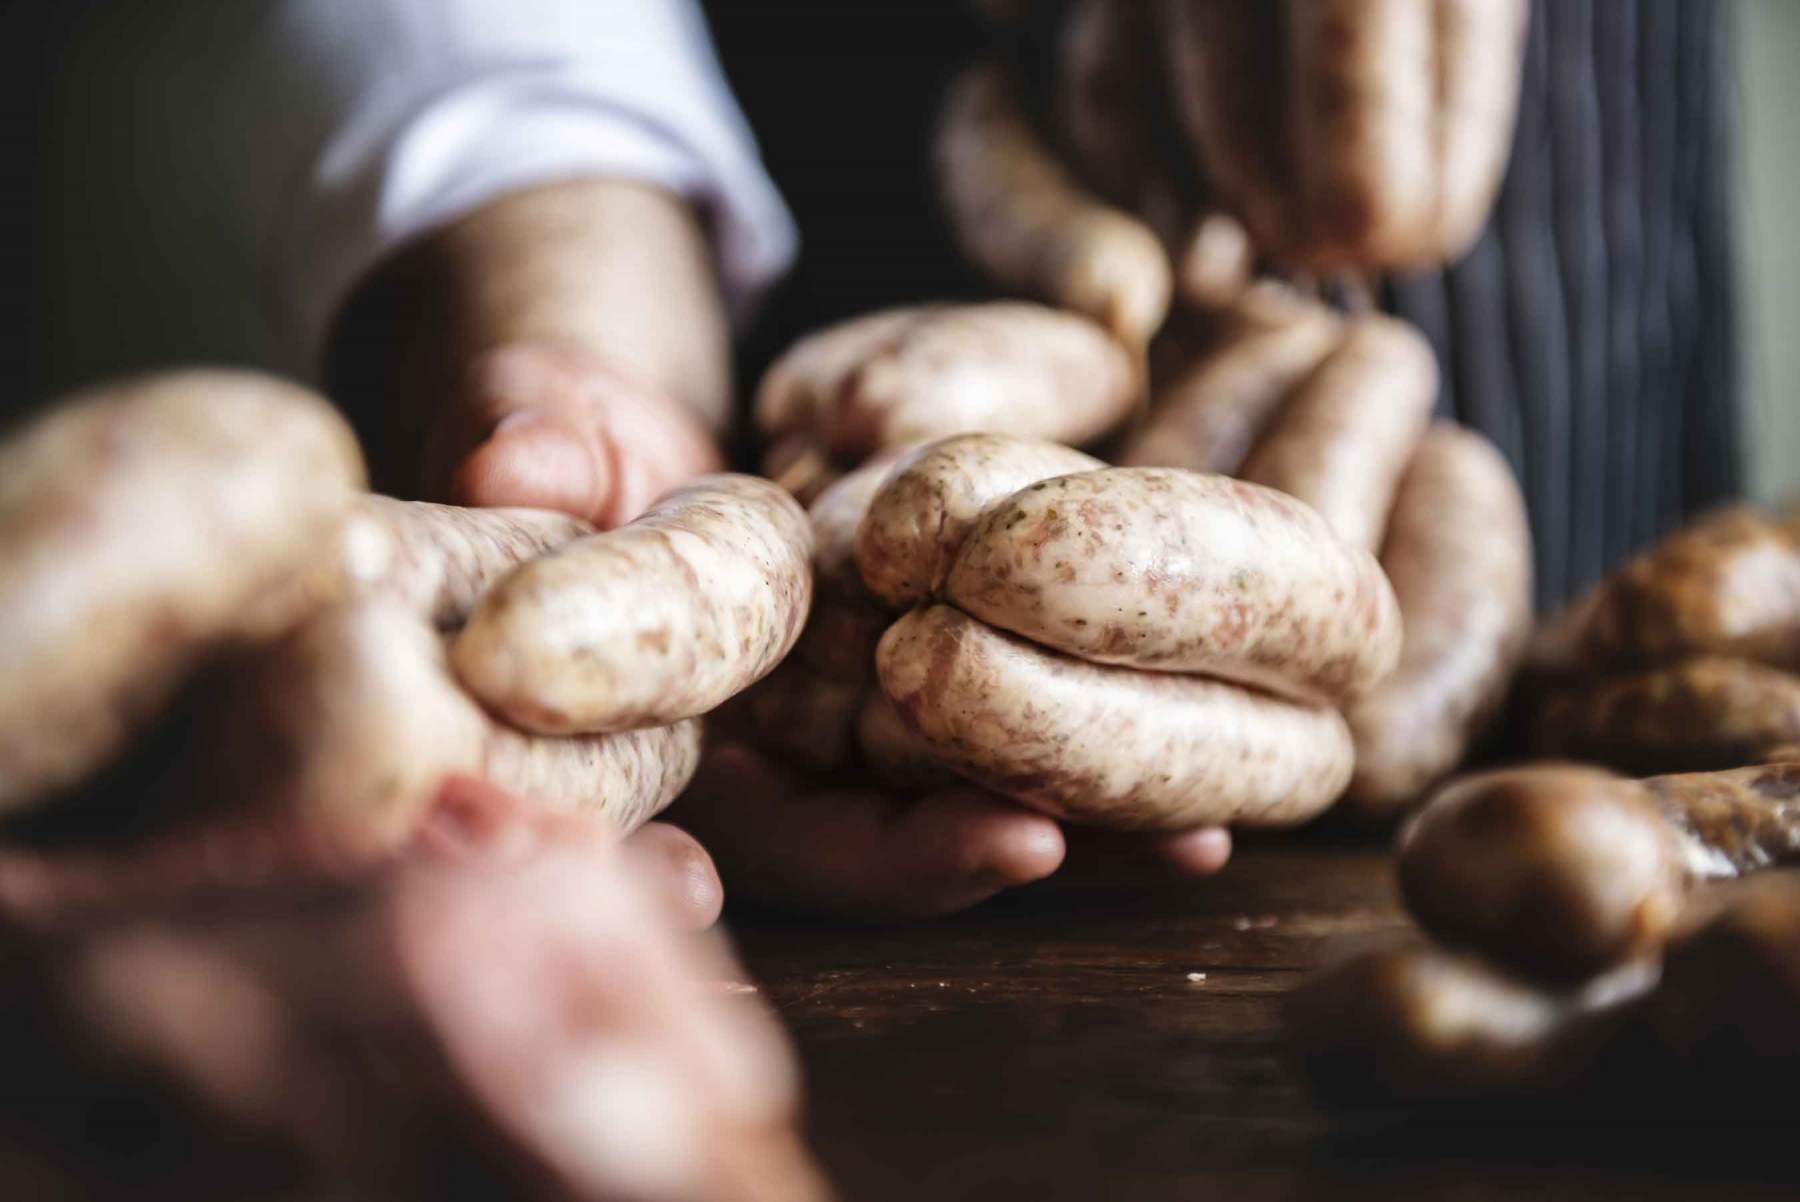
[1097, 1041]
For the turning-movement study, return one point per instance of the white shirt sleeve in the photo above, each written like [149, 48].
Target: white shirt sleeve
[387, 118]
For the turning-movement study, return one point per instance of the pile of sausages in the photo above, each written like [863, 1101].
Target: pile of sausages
[313, 801]
[1288, 394]
[1116, 155]
[196, 585]
[1139, 648]
[1598, 934]
[1582, 958]
[1336, 411]
[1684, 658]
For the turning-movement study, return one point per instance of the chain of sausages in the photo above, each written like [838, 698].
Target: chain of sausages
[1336, 410]
[1338, 135]
[1132, 647]
[1683, 659]
[1581, 955]
[283, 670]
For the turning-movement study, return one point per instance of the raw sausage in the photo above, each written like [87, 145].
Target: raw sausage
[439, 560]
[1208, 415]
[1558, 871]
[1566, 872]
[1728, 584]
[1363, 75]
[931, 500]
[1481, 49]
[1019, 215]
[1107, 746]
[658, 621]
[1175, 571]
[928, 372]
[1695, 715]
[347, 726]
[1342, 441]
[838, 642]
[1458, 553]
[142, 525]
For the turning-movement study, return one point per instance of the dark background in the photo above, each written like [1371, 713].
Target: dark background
[842, 97]
[1592, 332]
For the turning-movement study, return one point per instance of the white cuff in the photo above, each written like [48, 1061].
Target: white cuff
[388, 177]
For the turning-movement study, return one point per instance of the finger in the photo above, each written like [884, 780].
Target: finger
[585, 999]
[1179, 855]
[857, 852]
[679, 872]
[1194, 853]
[541, 461]
[555, 428]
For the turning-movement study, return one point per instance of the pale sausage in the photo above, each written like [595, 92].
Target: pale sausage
[1175, 571]
[1107, 746]
[660, 620]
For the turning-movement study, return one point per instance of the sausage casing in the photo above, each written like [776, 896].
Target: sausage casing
[1107, 746]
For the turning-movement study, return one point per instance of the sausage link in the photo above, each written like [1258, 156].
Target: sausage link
[1342, 441]
[1700, 714]
[1363, 75]
[1224, 61]
[920, 516]
[658, 621]
[346, 728]
[1175, 571]
[1565, 872]
[1557, 871]
[1208, 415]
[805, 710]
[1728, 584]
[1215, 262]
[1107, 746]
[628, 777]
[804, 717]
[142, 525]
[797, 392]
[894, 752]
[439, 560]
[938, 370]
[839, 640]
[1458, 553]
[1017, 213]
[1480, 55]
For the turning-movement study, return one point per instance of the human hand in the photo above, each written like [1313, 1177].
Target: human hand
[520, 1015]
[564, 347]
[788, 839]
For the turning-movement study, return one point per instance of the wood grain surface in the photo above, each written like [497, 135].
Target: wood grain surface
[1058, 1044]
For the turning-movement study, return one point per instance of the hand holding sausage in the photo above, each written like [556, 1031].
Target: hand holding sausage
[654, 623]
[143, 526]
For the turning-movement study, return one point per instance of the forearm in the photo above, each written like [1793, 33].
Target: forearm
[620, 270]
